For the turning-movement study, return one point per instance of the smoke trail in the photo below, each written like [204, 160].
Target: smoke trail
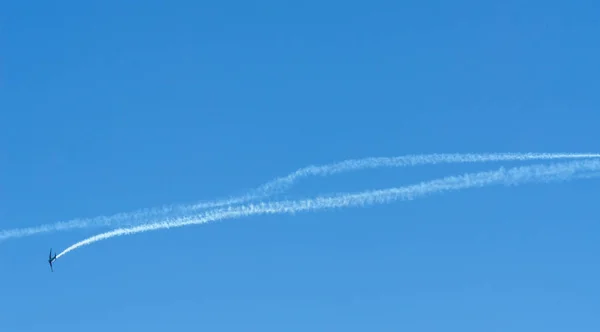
[285, 182]
[280, 184]
[513, 176]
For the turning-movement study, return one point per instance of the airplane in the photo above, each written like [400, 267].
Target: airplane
[51, 259]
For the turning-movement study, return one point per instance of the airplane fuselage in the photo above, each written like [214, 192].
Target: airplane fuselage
[51, 259]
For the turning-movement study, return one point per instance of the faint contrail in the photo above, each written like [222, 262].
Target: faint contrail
[280, 184]
[512, 176]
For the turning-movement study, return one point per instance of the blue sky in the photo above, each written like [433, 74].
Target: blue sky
[110, 107]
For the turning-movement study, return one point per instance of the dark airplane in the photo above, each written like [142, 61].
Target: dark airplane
[51, 259]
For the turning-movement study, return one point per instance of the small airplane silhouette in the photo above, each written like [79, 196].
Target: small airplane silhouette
[51, 259]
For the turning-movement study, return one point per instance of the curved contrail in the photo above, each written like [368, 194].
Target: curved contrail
[280, 184]
[512, 176]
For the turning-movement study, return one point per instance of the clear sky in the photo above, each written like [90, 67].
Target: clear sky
[112, 106]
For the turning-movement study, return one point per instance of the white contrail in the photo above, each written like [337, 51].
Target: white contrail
[512, 176]
[280, 184]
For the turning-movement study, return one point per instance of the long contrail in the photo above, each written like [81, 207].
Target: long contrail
[280, 184]
[512, 176]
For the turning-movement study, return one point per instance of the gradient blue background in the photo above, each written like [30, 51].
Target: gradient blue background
[113, 106]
